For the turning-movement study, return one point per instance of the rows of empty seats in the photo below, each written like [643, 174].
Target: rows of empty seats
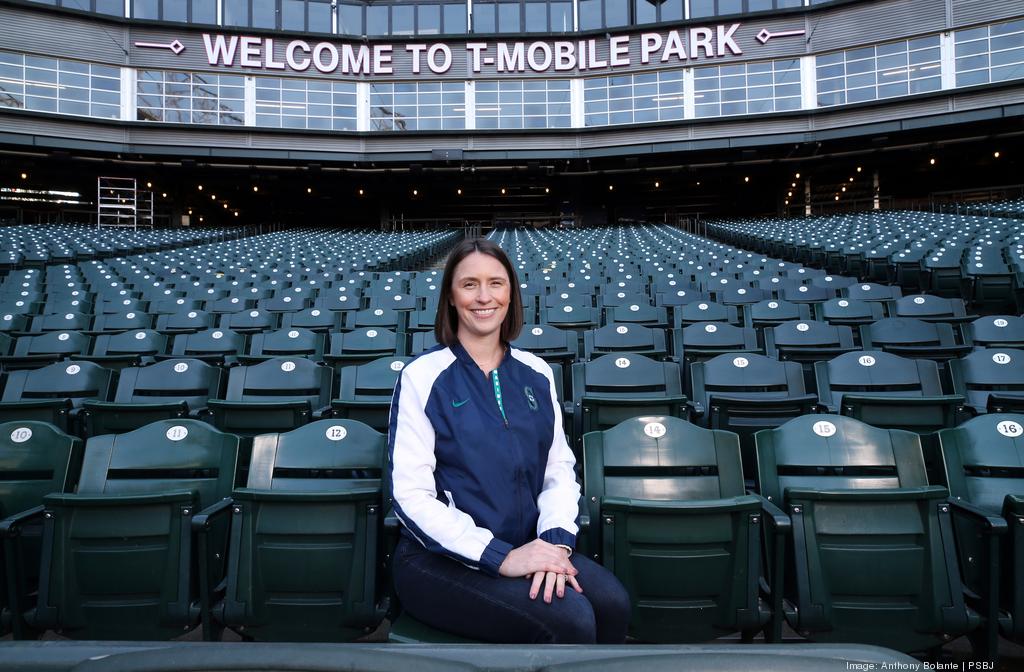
[705, 386]
[34, 246]
[976, 258]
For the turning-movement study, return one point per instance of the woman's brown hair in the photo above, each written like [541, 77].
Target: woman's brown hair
[446, 322]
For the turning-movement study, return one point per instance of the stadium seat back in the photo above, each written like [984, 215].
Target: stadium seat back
[119, 556]
[313, 501]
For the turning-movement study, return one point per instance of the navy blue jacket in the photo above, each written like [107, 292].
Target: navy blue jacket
[479, 463]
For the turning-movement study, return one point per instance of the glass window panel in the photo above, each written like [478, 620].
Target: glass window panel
[402, 19]
[1008, 27]
[508, 17]
[428, 20]
[861, 66]
[925, 85]
[1007, 57]
[264, 14]
[146, 9]
[616, 13]
[704, 110]
[860, 54]
[925, 56]
[971, 48]
[319, 17]
[645, 11]
[293, 15]
[972, 63]
[590, 14]
[759, 5]
[856, 81]
[891, 48]
[827, 99]
[106, 111]
[236, 12]
[561, 17]
[730, 6]
[860, 95]
[204, 11]
[929, 42]
[893, 61]
[671, 10]
[112, 7]
[377, 20]
[454, 19]
[483, 18]
[759, 107]
[536, 17]
[733, 95]
[786, 104]
[1007, 72]
[350, 19]
[892, 90]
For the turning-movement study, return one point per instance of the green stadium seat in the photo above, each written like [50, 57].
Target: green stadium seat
[746, 393]
[614, 388]
[119, 558]
[275, 395]
[991, 379]
[873, 558]
[887, 391]
[217, 346]
[982, 460]
[131, 348]
[55, 393]
[32, 352]
[677, 528]
[994, 331]
[910, 337]
[363, 346]
[36, 459]
[365, 391]
[305, 536]
[173, 388]
[293, 342]
[616, 338]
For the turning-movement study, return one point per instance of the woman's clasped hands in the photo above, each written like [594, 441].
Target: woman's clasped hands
[545, 564]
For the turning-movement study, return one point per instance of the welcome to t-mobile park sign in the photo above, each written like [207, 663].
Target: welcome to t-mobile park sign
[540, 56]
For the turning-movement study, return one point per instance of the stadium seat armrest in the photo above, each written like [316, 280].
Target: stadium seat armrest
[11, 525]
[391, 521]
[775, 516]
[202, 521]
[169, 497]
[696, 408]
[210, 570]
[989, 522]
[876, 494]
[688, 508]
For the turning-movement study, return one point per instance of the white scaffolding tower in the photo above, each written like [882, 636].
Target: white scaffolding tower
[119, 202]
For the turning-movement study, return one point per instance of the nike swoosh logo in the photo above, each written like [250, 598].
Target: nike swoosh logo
[456, 404]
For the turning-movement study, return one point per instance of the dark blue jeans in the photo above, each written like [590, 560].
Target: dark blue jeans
[449, 596]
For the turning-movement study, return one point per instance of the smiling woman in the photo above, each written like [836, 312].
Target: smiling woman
[484, 481]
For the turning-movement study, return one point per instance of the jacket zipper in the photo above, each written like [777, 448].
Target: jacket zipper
[497, 396]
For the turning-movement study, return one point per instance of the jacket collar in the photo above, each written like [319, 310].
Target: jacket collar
[464, 357]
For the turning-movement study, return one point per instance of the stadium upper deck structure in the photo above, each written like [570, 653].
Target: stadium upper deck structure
[543, 110]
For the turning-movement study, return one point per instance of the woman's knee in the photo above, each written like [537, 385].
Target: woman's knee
[572, 621]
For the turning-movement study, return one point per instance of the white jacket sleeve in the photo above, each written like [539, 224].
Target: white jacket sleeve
[558, 501]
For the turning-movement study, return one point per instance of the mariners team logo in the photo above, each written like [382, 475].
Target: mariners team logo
[530, 399]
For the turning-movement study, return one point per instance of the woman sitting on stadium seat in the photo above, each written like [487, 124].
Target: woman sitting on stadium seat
[484, 481]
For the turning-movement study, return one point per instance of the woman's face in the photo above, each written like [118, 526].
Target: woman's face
[480, 294]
